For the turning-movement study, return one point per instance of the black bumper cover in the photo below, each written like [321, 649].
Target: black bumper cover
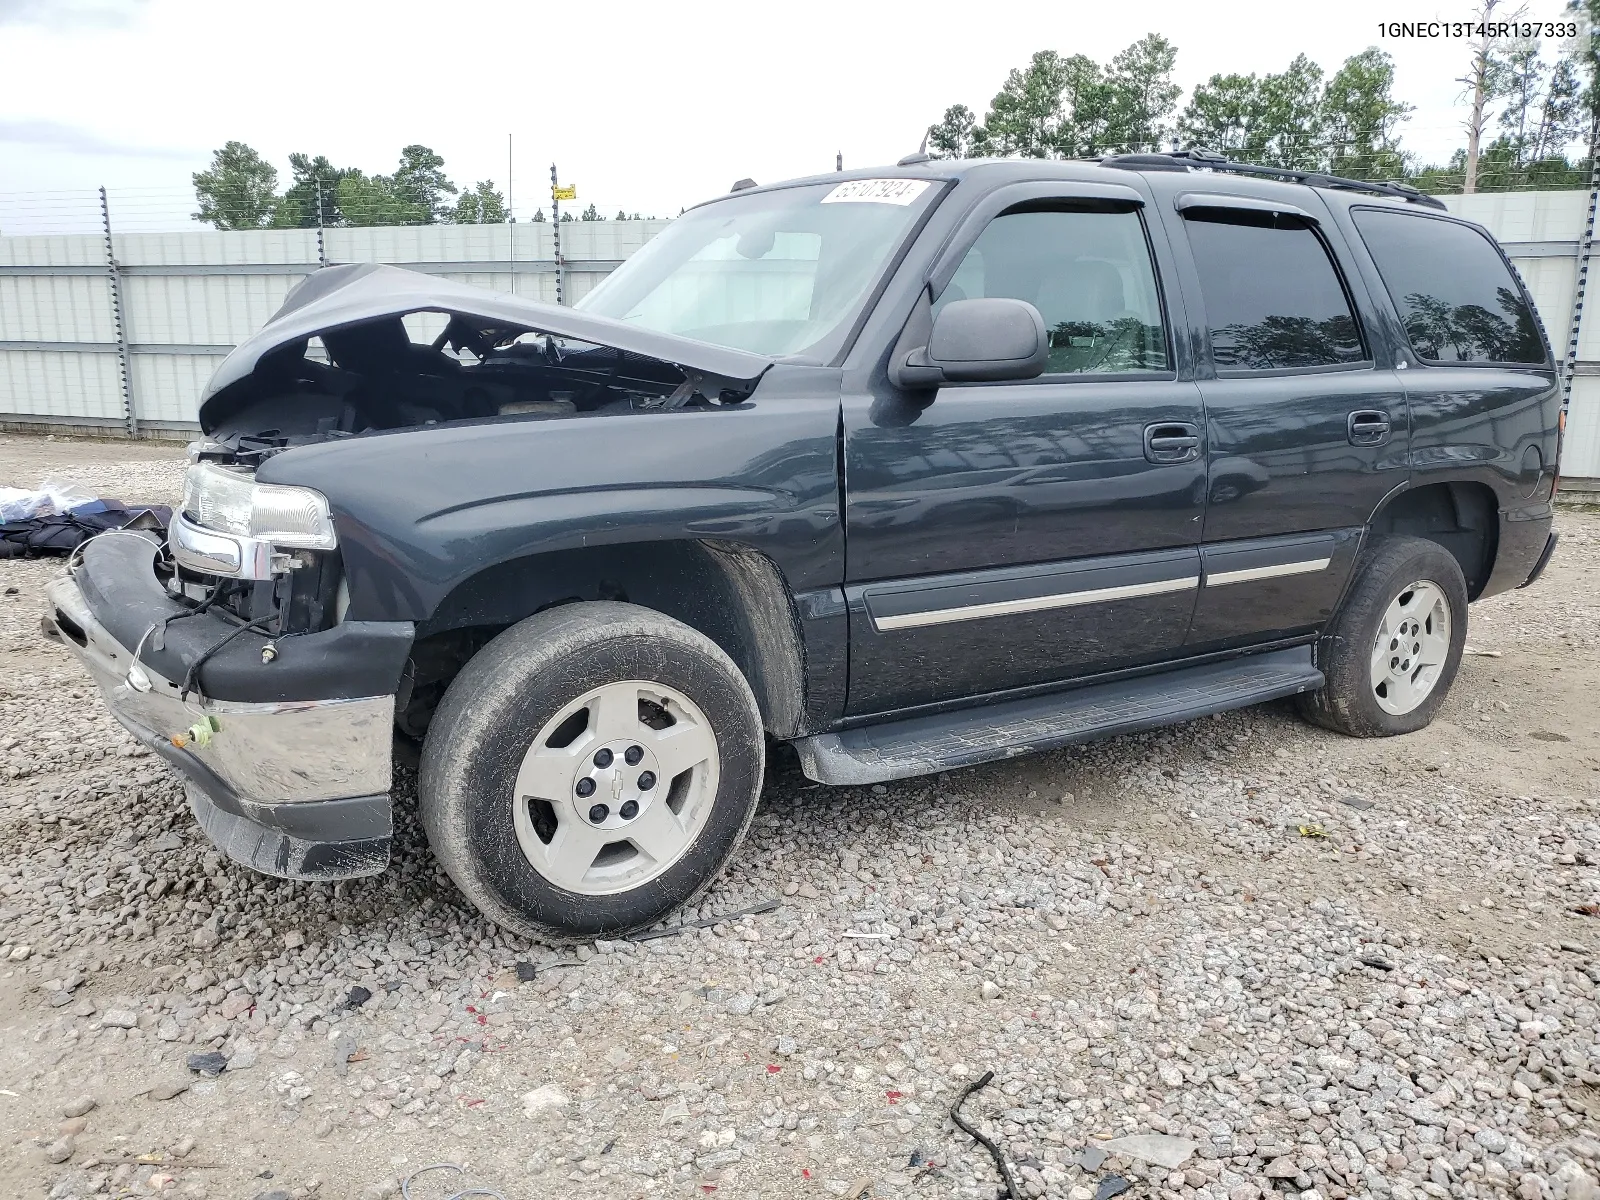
[343, 837]
[1544, 559]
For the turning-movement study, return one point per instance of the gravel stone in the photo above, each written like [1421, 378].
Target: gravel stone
[79, 1106]
[1168, 957]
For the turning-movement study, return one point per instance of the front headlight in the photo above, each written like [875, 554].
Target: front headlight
[231, 501]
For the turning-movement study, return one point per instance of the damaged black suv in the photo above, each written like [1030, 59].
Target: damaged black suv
[911, 468]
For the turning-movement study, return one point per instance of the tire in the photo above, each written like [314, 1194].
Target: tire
[1354, 701]
[521, 858]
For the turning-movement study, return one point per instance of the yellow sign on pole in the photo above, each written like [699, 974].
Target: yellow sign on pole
[564, 193]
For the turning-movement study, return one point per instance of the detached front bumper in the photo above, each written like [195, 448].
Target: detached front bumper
[297, 788]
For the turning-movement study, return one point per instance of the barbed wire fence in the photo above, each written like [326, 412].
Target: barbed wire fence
[173, 209]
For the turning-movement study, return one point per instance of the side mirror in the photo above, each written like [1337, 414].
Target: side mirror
[978, 341]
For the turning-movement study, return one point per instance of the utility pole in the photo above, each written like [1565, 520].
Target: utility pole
[119, 322]
[555, 227]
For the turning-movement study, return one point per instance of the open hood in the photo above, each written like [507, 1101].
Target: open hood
[337, 298]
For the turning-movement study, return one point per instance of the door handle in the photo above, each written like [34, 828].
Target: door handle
[1367, 427]
[1172, 442]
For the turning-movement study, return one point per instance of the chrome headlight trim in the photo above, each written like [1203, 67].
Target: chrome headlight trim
[227, 501]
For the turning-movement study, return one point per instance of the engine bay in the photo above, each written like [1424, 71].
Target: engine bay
[374, 376]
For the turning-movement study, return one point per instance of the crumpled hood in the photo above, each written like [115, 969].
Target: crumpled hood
[336, 297]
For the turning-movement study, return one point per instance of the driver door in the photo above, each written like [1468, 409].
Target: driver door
[1008, 535]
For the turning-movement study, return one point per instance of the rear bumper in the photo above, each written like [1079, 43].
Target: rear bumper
[1544, 560]
[295, 788]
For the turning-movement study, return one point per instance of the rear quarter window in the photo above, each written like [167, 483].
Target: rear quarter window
[1454, 292]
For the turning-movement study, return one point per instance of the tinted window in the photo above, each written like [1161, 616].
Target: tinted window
[1088, 274]
[1272, 297]
[1455, 295]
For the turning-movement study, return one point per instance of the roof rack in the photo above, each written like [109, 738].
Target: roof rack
[1182, 160]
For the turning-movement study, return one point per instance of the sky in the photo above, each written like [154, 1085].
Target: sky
[646, 107]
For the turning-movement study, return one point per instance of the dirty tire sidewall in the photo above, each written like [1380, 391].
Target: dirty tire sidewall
[505, 695]
[1346, 703]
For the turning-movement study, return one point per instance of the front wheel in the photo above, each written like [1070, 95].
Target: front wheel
[1394, 649]
[590, 770]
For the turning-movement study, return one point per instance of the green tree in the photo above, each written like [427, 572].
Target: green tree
[1086, 105]
[298, 208]
[1143, 93]
[1025, 117]
[591, 213]
[565, 217]
[1560, 111]
[238, 190]
[480, 205]
[1225, 114]
[367, 200]
[1291, 116]
[1361, 118]
[1522, 88]
[1586, 58]
[420, 182]
[952, 137]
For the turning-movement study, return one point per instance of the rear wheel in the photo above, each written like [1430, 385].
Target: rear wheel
[1395, 647]
[590, 770]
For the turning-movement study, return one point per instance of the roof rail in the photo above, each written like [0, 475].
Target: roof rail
[1210, 161]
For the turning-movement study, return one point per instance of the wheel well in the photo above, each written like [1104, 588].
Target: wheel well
[1461, 517]
[735, 596]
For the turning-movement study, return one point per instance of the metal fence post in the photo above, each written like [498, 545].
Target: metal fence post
[555, 228]
[130, 416]
[1585, 244]
[322, 248]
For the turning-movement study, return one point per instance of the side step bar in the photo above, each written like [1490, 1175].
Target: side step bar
[943, 741]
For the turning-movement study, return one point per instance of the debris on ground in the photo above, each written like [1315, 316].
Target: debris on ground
[1091, 1158]
[987, 1143]
[771, 904]
[1161, 1149]
[209, 1063]
[1111, 1185]
[462, 1194]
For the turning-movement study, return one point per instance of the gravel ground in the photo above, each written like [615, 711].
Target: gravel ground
[1283, 961]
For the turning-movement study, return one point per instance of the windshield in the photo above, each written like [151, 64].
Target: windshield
[780, 272]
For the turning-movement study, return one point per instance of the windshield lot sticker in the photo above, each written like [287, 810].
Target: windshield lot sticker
[877, 191]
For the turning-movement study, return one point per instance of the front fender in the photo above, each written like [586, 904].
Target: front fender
[419, 511]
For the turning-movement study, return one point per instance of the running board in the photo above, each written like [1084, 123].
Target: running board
[943, 741]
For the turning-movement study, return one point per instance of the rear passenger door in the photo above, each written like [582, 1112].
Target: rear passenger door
[1306, 422]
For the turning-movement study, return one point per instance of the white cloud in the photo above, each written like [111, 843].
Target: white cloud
[72, 139]
[67, 14]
